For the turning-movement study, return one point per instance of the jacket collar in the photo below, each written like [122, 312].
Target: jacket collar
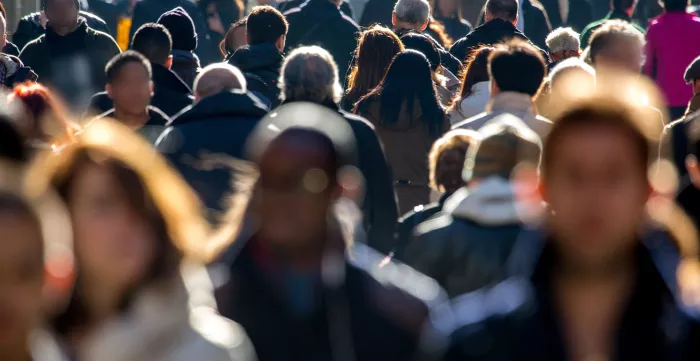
[259, 56]
[168, 79]
[511, 102]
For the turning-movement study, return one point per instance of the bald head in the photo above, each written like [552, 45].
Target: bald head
[216, 78]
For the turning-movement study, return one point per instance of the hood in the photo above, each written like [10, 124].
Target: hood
[227, 104]
[162, 77]
[260, 56]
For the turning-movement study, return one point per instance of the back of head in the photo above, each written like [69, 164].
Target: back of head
[181, 28]
[605, 38]
[505, 144]
[414, 12]
[447, 157]
[154, 42]
[265, 25]
[572, 67]
[422, 44]
[310, 74]
[216, 78]
[517, 66]
[623, 5]
[476, 70]
[679, 6]
[376, 49]
[502, 9]
[563, 39]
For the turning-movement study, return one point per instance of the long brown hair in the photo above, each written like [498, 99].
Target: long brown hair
[376, 49]
[475, 71]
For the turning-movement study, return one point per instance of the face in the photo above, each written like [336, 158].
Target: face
[21, 279]
[114, 243]
[294, 195]
[627, 54]
[61, 12]
[597, 191]
[132, 89]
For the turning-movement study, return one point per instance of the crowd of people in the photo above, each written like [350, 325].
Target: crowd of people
[238, 180]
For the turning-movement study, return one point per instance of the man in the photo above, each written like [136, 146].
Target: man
[615, 46]
[182, 30]
[563, 43]
[215, 127]
[516, 70]
[677, 133]
[501, 17]
[310, 75]
[479, 223]
[130, 87]
[170, 93]
[320, 22]
[600, 279]
[290, 284]
[620, 10]
[70, 57]
[261, 59]
[33, 26]
[532, 21]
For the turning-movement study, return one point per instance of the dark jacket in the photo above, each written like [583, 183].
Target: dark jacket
[285, 6]
[214, 129]
[157, 120]
[466, 247]
[580, 14]
[260, 65]
[318, 22]
[29, 28]
[447, 60]
[10, 49]
[61, 61]
[612, 15]
[377, 12]
[491, 33]
[518, 317]
[186, 65]
[170, 93]
[455, 27]
[537, 25]
[409, 221]
[675, 137]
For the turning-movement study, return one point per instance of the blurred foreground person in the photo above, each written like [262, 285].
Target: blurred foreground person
[481, 221]
[309, 74]
[405, 110]
[12, 70]
[619, 10]
[70, 57]
[563, 43]
[599, 282]
[141, 292]
[291, 285]
[568, 80]
[517, 71]
[206, 137]
[33, 26]
[678, 133]
[475, 94]
[181, 27]
[445, 161]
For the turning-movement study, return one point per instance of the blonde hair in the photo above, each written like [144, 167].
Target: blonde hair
[446, 159]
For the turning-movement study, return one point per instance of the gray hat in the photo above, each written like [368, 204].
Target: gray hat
[506, 141]
[693, 71]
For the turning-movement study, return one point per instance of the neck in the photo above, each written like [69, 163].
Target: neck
[65, 30]
[133, 120]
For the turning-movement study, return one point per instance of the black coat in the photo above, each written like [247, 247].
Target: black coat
[689, 200]
[285, 6]
[447, 60]
[260, 65]
[408, 222]
[318, 22]
[537, 25]
[10, 49]
[491, 33]
[157, 120]
[580, 14]
[29, 28]
[377, 12]
[216, 125]
[170, 93]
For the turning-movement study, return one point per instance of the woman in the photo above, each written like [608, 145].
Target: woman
[476, 87]
[449, 13]
[408, 117]
[446, 87]
[234, 39]
[220, 15]
[138, 238]
[375, 51]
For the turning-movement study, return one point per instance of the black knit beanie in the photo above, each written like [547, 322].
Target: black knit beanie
[45, 2]
[181, 28]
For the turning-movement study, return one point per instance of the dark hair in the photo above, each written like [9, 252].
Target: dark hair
[517, 66]
[408, 79]
[608, 33]
[598, 112]
[622, 4]
[224, 47]
[475, 71]
[502, 9]
[422, 44]
[376, 49]
[446, 160]
[265, 25]
[678, 6]
[115, 66]
[154, 42]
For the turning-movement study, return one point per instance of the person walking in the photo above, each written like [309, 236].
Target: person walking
[475, 94]
[446, 84]
[33, 26]
[185, 62]
[619, 10]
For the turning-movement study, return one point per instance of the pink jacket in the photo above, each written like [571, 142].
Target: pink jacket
[672, 44]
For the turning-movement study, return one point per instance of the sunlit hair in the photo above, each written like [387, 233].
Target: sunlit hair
[475, 71]
[563, 39]
[437, 28]
[225, 45]
[376, 49]
[309, 73]
[446, 159]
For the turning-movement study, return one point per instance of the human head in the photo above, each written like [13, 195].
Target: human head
[181, 28]
[679, 6]
[422, 44]
[236, 36]
[475, 71]
[376, 49]
[617, 45]
[61, 13]
[216, 78]
[692, 75]
[267, 25]
[516, 66]
[569, 67]
[626, 6]
[448, 8]
[563, 43]
[310, 74]
[155, 43]
[446, 160]
[129, 82]
[594, 178]
[411, 14]
[506, 10]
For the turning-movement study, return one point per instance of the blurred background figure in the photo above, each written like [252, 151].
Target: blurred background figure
[619, 10]
[569, 80]
[261, 60]
[309, 74]
[135, 222]
[376, 49]
[8, 47]
[576, 14]
[405, 110]
[181, 28]
[476, 87]
[203, 140]
[290, 284]
[449, 13]
[220, 15]
[445, 85]
[679, 133]
[562, 43]
[235, 38]
[12, 70]
[445, 162]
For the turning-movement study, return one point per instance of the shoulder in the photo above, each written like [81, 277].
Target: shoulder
[90, 17]
[293, 13]
[357, 122]
[100, 36]
[35, 44]
[156, 113]
[216, 338]
[474, 122]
